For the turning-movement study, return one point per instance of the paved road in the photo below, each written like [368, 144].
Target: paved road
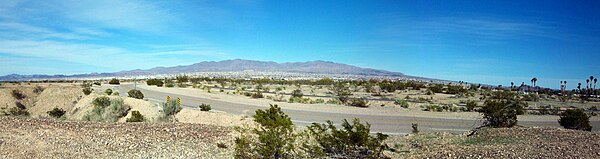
[385, 124]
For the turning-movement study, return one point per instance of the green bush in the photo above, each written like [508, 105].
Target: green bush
[17, 94]
[471, 105]
[101, 102]
[297, 93]
[204, 107]
[108, 91]
[275, 136]
[359, 102]
[170, 85]
[38, 89]
[134, 93]
[136, 117]
[155, 82]
[106, 110]
[500, 113]
[342, 92]
[56, 112]
[352, 141]
[87, 88]
[257, 95]
[115, 93]
[114, 81]
[402, 103]
[299, 100]
[170, 108]
[575, 119]
[15, 111]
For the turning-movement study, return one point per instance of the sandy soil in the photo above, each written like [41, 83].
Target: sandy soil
[211, 118]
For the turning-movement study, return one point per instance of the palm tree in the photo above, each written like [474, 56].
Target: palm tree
[512, 85]
[561, 86]
[595, 80]
[579, 87]
[587, 88]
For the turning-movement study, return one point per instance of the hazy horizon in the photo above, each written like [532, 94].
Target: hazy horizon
[492, 42]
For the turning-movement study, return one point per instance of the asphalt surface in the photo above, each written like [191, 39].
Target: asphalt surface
[379, 123]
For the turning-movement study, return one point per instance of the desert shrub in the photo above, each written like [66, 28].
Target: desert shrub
[114, 81]
[87, 88]
[297, 93]
[575, 119]
[402, 103]
[359, 102]
[155, 82]
[257, 95]
[471, 105]
[170, 108]
[204, 107]
[182, 78]
[19, 105]
[170, 85]
[97, 83]
[500, 113]
[351, 141]
[415, 128]
[435, 88]
[102, 102]
[38, 89]
[115, 93]
[134, 93]
[181, 85]
[56, 112]
[333, 101]
[17, 94]
[14, 111]
[319, 100]
[275, 138]
[456, 89]
[108, 91]
[106, 110]
[342, 92]
[299, 100]
[136, 116]
[433, 107]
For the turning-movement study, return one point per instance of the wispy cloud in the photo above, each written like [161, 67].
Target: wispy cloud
[478, 31]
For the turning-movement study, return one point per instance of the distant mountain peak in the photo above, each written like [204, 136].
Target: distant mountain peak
[234, 65]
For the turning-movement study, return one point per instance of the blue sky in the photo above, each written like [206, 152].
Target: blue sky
[493, 42]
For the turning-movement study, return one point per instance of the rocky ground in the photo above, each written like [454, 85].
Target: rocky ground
[519, 142]
[49, 138]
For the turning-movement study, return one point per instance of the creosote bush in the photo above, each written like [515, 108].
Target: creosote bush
[134, 93]
[575, 119]
[501, 113]
[38, 89]
[353, 140]
[87, 88]
[108, 91]
[56, 112]
[15, 111]
[359, 102]
[114, 81]
[297, 93]
[471, 104]
[204, 107]
[156, 82]
[17, 94]
[106, 110]
[136, 116]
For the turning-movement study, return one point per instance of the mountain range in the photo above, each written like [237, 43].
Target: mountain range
[310, 67]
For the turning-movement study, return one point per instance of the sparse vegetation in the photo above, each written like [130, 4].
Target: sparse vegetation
[17, 94]
[108, 91]
[342, 92]
[156, 82]
[15, 111]
[106, 110]
[38, 89]
[297, 93]
[575, 119]
[352, 141]
[359, 102]
[136, 116]
[501, 113]
[204, 107]
[170, 108]
[114, 81]
[87, 88]
[134, 93]
[273, 139]
[56, 112]
[471, 105]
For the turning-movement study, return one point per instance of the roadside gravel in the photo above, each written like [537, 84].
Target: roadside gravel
[49, 138]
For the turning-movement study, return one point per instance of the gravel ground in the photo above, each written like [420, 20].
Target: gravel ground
[519, 142]
[49, 138]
